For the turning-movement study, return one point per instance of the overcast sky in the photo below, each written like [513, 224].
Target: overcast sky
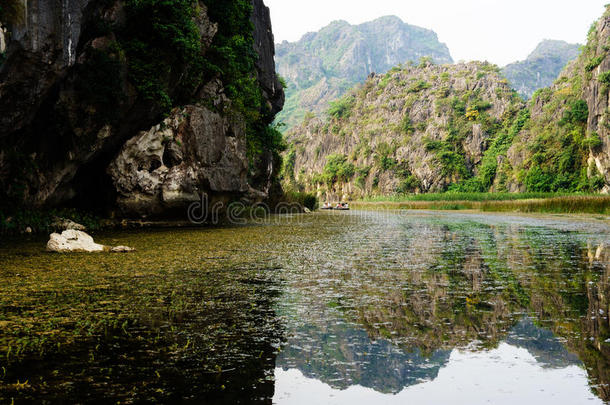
[500, 31]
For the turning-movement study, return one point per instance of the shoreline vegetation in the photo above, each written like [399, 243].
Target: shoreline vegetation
[41, 221]
[556, 203]
[44, 221]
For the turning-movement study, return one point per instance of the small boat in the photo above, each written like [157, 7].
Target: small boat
[326, 206]
[342, 207]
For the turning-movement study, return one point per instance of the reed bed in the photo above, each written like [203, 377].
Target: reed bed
[570, 204]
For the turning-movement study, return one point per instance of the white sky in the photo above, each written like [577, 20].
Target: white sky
[500, 31]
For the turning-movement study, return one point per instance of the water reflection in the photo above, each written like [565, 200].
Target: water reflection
[390, 304]
[505, 375]
[325, 308]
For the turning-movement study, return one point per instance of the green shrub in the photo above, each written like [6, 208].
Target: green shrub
[418, 86]
[337, 168]
[407, 125]
[604, 78]
[362, 174]
[578, 113]
[593, 63]
[341, 108]
[282, 82]
[384, 156]
[408, 182]
[537, 180]
[592, 141]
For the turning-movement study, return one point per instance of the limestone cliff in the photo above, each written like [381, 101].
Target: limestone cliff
[542, 66]
[323, 65]
[566, 145]
[82, 85]
[413, 129]
[461, 128]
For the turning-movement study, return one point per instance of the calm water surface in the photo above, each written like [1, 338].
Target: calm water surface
[329, 308]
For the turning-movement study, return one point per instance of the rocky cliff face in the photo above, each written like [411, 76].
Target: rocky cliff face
[461, 128]
[413, 129]
[566, 145]
[542, 66]
[83, 101]
[323, 65]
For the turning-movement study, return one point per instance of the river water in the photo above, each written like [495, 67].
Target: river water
[328, 308]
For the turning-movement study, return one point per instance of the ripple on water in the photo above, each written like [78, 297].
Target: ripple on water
[369, 304]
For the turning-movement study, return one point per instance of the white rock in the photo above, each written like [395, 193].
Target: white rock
[73, 241]
[122, 249]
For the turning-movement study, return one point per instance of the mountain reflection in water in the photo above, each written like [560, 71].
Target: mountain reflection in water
[448, 308]
[340, 307]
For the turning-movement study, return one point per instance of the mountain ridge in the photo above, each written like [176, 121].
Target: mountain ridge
[542, 66]
[461, 127]
[323, 65]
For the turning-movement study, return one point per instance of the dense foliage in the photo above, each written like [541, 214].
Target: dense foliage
[167, 64]
[163, 48]
[233, 58]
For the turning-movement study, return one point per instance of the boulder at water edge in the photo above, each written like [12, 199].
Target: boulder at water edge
[73, 241]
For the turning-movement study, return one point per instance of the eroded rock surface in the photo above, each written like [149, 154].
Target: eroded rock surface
[194, 151]
[70, 109]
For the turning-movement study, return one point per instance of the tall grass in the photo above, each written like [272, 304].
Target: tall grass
[307, 200]
[474, 197]
[526, 203]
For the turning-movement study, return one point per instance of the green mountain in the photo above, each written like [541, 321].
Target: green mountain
[416, 128]
[541, 67]
[462, 128]
[323, 65]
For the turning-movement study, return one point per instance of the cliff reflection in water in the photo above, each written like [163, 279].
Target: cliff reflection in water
[384, 306]
[339, 307]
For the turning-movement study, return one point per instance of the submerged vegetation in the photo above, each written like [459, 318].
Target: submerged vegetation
[210, 315]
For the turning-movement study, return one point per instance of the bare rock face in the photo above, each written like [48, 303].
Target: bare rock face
[73, 241]
[46, 42]
[265, 66]
[168, 167]
[71, 115]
